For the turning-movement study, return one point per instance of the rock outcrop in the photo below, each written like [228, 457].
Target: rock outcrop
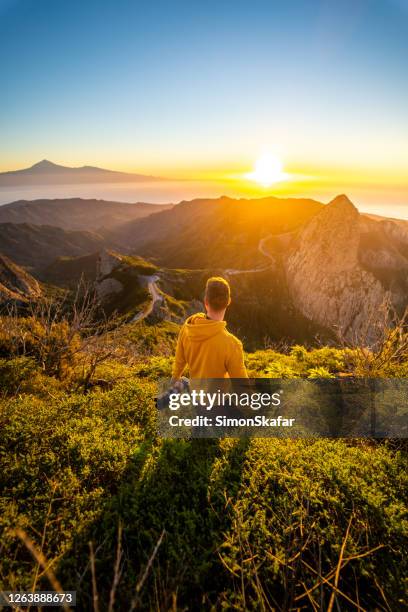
[105, 285]
[107, 261]
[331, 275]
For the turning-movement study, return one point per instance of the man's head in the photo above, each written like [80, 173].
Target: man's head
[217, 297]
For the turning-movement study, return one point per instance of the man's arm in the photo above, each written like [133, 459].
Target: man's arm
[235, 363]
[179, 359]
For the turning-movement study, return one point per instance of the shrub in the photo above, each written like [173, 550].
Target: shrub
[320, 372]
[14, 372]
[156, 367]
[159, 339]
[278, 369]
[54, 345]
[299, 363]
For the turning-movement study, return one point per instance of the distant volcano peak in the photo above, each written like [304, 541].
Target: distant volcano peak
[44, 164]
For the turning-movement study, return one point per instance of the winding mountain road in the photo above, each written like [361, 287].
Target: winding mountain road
[261, 247]
[263, 251]
[155, 295]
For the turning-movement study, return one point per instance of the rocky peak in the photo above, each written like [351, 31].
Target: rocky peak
[323, 239]
[342, 202]
[324, 275]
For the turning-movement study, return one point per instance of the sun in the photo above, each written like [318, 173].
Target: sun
[268, 170]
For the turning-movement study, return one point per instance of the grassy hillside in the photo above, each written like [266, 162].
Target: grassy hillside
[188, 524]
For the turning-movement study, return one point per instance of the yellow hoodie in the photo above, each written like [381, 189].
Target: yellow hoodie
[209, 350]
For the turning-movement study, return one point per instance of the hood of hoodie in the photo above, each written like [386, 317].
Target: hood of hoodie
[199, 328]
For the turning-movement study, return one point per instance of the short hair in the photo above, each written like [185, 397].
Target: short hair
[217, 293]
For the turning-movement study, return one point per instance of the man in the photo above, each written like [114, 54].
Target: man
[205, 345]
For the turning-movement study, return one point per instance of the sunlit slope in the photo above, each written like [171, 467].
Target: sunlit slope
[16, 285]
[222, 232]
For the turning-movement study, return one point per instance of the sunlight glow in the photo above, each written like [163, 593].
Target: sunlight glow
[268, 170]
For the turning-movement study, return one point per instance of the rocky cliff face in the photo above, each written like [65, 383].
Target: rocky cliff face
[105, 285]
[15, 283]
[343, 267]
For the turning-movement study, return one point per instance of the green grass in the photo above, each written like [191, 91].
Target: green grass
[139, 264]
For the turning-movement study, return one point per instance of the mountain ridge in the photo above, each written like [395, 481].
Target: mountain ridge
[37, 246]
[76, 213]
[218, 232]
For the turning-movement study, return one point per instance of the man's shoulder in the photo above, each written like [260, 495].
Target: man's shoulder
[233, 340]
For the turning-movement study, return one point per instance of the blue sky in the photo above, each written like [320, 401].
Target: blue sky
[185, 88]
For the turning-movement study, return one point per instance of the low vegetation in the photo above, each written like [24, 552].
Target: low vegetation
[92, 498]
